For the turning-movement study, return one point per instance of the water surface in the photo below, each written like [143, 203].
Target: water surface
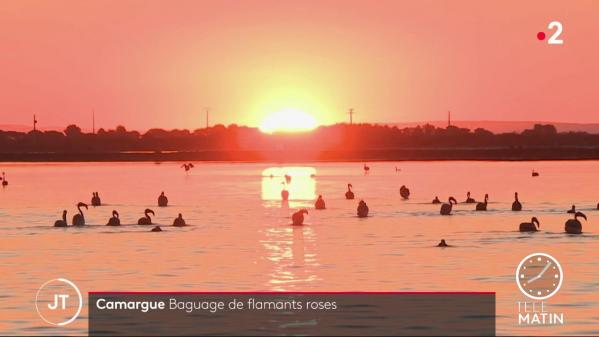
[240, 238]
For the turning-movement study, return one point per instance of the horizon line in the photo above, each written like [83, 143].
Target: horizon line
[23, 127]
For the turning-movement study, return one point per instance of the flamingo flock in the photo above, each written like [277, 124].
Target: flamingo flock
[79, 218]
[572, 225]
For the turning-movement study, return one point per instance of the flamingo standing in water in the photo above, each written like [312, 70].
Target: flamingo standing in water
[443, 244]
[436, 200]
[366, 169]
[156, 229]
[404, 192]
[469, 200]
[362, 209]
[179, 221]
[298, 217]
[516, 205]
[572, 210]
[482, 206]
[96, 199]
[287, 178]
[79, 219]
[446, 208]
[573, 226]
[114, 220]
[284, 193]
[319, 204]
[162, 200]
[146, 220]
[533, 226]
[535, 173]
[4, 181]
[63, 222]
[349, 195]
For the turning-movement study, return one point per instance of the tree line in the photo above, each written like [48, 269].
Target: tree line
[324, 138]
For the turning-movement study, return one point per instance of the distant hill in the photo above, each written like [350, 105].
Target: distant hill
[508, 126]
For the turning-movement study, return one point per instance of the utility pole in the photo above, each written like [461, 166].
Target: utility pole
[207, 115]
[448, 118]
[351, 116]
[93, 121]
[34, 123]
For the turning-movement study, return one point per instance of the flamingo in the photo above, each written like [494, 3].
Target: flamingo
[298, 217]
[156, 229]
[573, 226]
[366, 169]
[79, 219]
[96, 199]
[349, 195]
[4, 181]
[146, 220]
[114, 220]
[404, 192]
[482, 206]
[319, 204]
[162, 200]
[187, 166]
[443, 244]
[535, 173]
[397, 169]
[362, 209]
[572, 210]
[532, 226]
[287, 178]
[284, 193]
[469, 200]
[63, 222]
[516, 205]
[436, 200]
[446, 208]
[179, 221]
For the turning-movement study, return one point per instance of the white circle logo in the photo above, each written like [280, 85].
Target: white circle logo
[539, 276]
[58, 302]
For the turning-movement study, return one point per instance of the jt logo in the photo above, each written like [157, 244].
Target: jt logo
[63, 297]
[58, 302]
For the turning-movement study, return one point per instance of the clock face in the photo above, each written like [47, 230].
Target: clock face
[539, 276]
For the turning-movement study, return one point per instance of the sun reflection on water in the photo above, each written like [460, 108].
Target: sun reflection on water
[299, 181]
[293, 261]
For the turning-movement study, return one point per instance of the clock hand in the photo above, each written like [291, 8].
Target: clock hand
[545, 269]
[532, 279]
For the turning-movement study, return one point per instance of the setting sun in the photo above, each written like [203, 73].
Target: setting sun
[288, 120]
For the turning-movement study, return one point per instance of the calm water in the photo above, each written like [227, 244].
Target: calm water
[240, 238]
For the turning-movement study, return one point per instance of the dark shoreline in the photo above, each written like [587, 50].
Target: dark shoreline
[404, 154]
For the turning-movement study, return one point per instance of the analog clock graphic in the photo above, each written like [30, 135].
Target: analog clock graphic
[539, 276]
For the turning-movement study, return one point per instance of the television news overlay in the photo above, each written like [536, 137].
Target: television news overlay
[313, 168]
[275, 313]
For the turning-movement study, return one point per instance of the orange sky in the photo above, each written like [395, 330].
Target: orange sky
[158, 63]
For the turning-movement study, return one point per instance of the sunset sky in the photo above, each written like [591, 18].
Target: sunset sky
[150, 64]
